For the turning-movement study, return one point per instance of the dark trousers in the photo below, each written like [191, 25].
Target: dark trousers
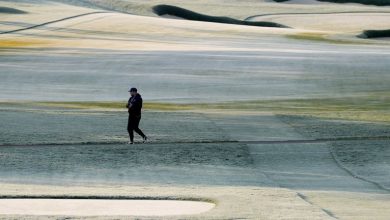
[132, 126]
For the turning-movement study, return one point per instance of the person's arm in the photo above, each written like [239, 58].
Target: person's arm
[128, 104]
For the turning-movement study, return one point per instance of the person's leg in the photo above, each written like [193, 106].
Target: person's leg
[130, 129]
[139, 132]
[131, 134]
[136, 128]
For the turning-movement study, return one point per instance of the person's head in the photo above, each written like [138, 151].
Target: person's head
[133, 91]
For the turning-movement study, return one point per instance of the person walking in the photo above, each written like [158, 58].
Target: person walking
[134, 106]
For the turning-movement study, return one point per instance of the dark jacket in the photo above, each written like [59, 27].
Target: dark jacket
[134, 105]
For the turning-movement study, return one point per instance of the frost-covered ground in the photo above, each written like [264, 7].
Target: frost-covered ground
[267, 123]
[278, 71]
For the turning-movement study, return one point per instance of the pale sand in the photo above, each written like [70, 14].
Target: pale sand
[232, 202]
[101, 207]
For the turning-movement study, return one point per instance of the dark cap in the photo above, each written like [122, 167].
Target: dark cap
[133, 90]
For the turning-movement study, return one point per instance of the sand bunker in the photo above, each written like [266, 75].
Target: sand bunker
[175, 11]
[101, 207]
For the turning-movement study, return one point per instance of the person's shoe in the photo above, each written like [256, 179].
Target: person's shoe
[130, 142]
[144, 139]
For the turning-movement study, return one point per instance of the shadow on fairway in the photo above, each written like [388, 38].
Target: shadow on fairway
[365, 2]
[7, 10]
[190, 15]
[374, 34]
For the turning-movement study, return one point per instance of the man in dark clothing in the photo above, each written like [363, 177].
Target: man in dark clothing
[134, 106]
